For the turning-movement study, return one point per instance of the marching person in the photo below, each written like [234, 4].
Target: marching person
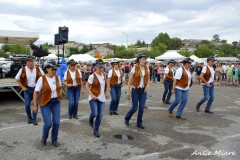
[207, 77]
[97, 89]
[27, 78]
[73, 82]
[168, 82]
[49, 89]
[181, 84]
[138, 83]
[114, 85]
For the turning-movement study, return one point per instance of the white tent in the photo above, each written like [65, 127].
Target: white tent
[50, 57]
[196, 59]
[18, 37]
[170, 54]
[82, 58]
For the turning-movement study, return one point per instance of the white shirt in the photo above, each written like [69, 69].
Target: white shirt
[224, 67]
[118, 74]
[167, 71]
[141, 85]
[52, 84]
[31, 75]
[101, 96]
[204, 70]
[73, 76]
[178, 76]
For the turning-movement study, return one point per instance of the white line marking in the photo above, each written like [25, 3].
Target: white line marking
[14, 127]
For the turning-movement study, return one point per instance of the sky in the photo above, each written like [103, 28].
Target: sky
[116, 21]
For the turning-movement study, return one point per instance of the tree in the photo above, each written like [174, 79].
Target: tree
[186, 53]
[73, 50]
[2, 54]
[227, 49]
[45, 47]
[161, 38]
[174, 44]
[157, 50]
[122, 52]
[203, 51]
[85, 49]
[216, 38]
[235, 44]
[16, 49]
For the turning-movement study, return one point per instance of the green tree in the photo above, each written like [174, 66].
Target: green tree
[157, 50]
[235, 44]
[227, 49]
[2, 54]
[186, 52]
[73, 50]
[174, 44]
[161, 38]
[85, 49]
[203, 51]
[216, 38]
[122, 52]
[45, 47]
[16, 49]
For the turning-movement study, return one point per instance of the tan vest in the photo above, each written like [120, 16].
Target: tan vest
[23, 77]
[137, 76]
[114, 78]
[207, 75]
[46, 92]
[70, 80]
[170, 74]
[183, 82]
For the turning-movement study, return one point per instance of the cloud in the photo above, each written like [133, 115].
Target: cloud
[104, 20]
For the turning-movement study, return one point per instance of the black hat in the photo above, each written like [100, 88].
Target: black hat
[187, 60]
[114, 61]
[71, 61]
[48, 65]
[171, 61]
[140, 55]
[211, 59]
[99, 62]
[30, 58]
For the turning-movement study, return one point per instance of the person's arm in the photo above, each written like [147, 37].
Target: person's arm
[35, 105]
[20, 85]
[203, 79]
[108, 84]
[65, 80]
[129, 83]
[174, 85]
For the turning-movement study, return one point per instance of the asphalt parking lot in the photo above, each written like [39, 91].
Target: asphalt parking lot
[214, 136]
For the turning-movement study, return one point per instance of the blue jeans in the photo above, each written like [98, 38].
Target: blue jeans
[73, 98]
[158, 77]
[115, 94]
[208, 96]
[97, 111]
[28, 97]
[167, 90]
[51, 118]
[138, 101]
[180, 96]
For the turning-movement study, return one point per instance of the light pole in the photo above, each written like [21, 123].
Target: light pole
[126, 36]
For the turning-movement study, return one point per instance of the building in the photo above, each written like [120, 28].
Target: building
[103, 51]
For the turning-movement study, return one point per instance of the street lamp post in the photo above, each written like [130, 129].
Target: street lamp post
[127, 37]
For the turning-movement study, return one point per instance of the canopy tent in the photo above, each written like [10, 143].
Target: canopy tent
[50, 57]
[18, 37]
[82, 58]
[171, 54]
[196, 59]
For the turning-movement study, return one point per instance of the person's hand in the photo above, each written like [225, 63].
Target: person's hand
[94, 97]
[207, 84]
[128, 93]
[173, 91]
[146, 89]
[109, 89]
[69, 85]
[24, 88]
[106, 95]
[35, 109]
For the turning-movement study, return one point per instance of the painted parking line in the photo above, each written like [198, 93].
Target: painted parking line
[26, 125]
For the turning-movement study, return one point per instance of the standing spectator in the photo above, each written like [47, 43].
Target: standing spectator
[107, 68]
[229, 73]
[218, 73]
[198, 72]
[126, 71]
[235, 75]
[162, 72]
[159, 73]
[93, 69]
[224, 71]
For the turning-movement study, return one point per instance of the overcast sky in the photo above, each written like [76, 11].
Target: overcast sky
[94, 21]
